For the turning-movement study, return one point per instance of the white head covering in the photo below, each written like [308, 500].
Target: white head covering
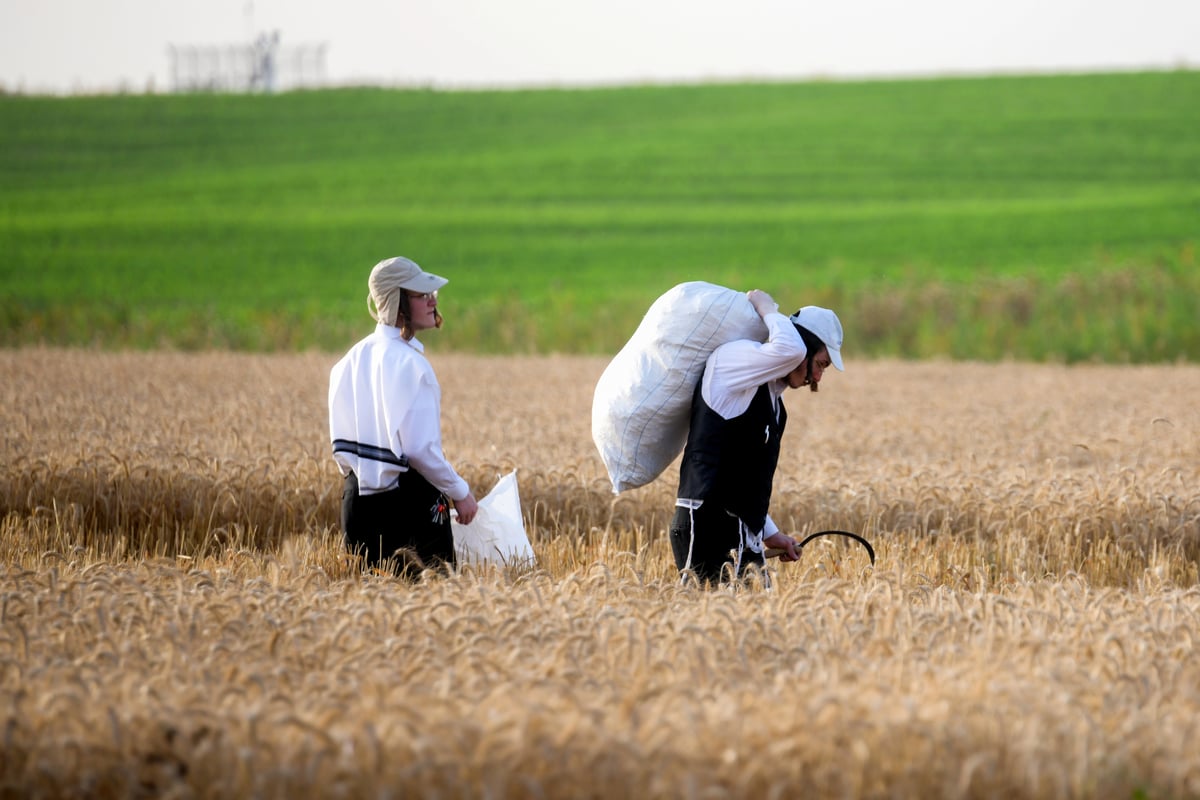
[388, 278]
[825, 325]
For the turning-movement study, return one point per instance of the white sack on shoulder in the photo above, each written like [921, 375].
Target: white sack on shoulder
[641, 408]
[497, 534]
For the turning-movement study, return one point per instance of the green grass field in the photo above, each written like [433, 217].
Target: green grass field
[1050, 217]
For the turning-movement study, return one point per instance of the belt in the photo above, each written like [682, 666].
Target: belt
[369, 451]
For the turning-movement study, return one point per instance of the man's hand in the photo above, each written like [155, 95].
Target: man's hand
[467, 508]
[763, 303]
[781, 541]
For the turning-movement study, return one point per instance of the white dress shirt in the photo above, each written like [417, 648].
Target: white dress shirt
[383, 394]
[735, 370]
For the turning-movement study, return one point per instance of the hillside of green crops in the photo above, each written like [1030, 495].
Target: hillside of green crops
[1042, 218]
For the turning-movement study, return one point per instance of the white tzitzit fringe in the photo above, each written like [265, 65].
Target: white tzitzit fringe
[691, 535]
[754, 542]
[747, 539]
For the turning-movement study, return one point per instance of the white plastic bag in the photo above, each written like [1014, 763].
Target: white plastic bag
[641, 408]
[497, 534]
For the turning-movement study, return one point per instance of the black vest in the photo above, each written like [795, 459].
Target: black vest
[732, 462]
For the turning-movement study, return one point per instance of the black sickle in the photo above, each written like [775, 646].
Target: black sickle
[775, 552]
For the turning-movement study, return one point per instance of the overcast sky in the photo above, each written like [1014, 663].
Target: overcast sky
[96, 45]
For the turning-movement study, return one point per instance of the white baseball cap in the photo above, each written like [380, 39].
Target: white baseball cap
[825, 325]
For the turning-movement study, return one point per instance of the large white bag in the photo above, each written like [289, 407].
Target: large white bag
[641, 408]
[497, 534]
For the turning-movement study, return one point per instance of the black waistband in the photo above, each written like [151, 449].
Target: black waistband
[369, 451]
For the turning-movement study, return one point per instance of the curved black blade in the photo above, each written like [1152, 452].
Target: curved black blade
[848, 534]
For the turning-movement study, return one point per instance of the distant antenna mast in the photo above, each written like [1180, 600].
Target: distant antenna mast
[259, 63]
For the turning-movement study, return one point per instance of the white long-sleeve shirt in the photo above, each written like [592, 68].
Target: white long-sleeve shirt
[385, 400]
[735, 370]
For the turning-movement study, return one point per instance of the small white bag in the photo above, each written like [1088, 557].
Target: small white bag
[497, 534]
[641, 409]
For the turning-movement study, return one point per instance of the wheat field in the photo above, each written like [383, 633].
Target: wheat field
[177, 617]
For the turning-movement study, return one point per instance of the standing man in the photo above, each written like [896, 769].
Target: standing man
[385, 423]
[721, 523]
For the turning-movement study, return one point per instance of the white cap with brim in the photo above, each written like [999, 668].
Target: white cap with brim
[825, 325]
[392, 274]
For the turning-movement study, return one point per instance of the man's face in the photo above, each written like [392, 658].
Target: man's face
[423, 307]
[799, 376]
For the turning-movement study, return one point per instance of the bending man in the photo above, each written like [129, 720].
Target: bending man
[721, 524]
